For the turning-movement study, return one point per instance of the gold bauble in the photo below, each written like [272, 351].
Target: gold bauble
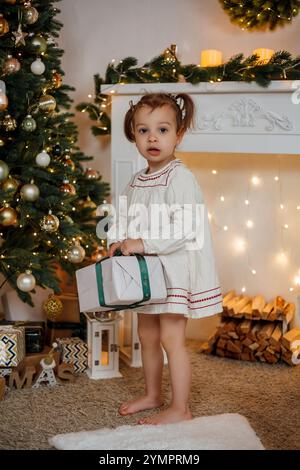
[69, 163]
[68, 188]
[76, 254]
[47, 103]
[53, 307]
[2, 141]
[30, 14]
[4, 27]
[91, 174]
[9, 123]
[50, 223]
[11, 65]
[10, 185]
[56, 80]
[8, 216]
[4, 170]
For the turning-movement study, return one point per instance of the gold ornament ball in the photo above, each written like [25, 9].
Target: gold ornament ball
[30, 192]
[68, 189]
[8, 216]
[70, 164]
[30, 14]
[76, 254]
[3, 101]
[56, 80]
[91, 174]
[50, 223]
[38, 44]
[10, 185]
[11, 65]
[26, 281]
[9, 123]
[4, 170]
[47, 103]
[2, 141]
[4, 27]
[53, 307]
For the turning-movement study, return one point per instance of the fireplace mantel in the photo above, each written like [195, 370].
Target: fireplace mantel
[231, 117]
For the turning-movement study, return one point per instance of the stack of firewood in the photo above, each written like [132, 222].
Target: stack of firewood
[252, 329]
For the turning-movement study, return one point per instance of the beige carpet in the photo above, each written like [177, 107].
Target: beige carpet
[267, 395]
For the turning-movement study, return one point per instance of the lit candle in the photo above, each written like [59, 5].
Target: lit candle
[264, 55]
[211, 58]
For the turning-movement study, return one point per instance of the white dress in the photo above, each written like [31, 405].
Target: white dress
[193, 287]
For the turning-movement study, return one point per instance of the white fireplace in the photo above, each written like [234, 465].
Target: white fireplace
[245, 147]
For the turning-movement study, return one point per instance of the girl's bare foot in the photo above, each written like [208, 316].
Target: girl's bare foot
[170, 415]
[139, 404]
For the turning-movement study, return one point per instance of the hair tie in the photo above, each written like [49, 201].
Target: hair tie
[131, 105]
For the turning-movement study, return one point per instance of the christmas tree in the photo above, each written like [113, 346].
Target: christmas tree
[48, 199]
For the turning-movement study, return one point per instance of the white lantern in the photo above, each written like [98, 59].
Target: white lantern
[103, 350]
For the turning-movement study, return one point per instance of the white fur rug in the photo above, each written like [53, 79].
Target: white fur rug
[229, 431]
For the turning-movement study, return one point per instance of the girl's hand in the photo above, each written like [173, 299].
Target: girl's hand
[131, 246]
[113, 247]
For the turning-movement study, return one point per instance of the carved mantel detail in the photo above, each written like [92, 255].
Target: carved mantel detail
[243, 113]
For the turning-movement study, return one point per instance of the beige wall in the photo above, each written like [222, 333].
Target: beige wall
[96, 31]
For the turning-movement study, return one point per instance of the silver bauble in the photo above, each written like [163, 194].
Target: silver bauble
[26, 281]
[76, 254]
[43, 159]
[28, 124]
[30, 192]
[37, 67]
[4, 171]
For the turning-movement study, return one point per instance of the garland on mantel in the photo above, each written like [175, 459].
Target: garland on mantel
[166, 68]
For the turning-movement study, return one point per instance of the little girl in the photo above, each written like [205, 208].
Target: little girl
[157, 124]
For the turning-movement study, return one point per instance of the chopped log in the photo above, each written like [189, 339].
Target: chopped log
[233, 347]
[221, 343]
[220, 352]
[290, 337]
[276, 335]
[263, 344]
[247, 309]
[230, 304]
[247, 341]
[280, 305]
[258, 304]
[254, 346]
[205, 348]
[230, 295]
[289, 312]
[271, 358]
[267, 309]
[244, 327]
[233, 334]
[253, 331]
[238, 306]
[266, 331]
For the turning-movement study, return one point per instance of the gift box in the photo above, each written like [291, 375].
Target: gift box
[34, 334]
[121, 281]
[12, 345]
[74, 351]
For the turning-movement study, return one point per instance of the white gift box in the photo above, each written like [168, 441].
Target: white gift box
[121, 282]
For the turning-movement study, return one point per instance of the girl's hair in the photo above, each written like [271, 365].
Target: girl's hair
[181, 103]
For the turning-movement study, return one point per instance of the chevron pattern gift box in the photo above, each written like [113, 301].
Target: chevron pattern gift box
[12, 345]
[74, 351]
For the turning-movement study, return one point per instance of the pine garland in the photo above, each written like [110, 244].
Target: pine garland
[259, 14]
[168, 69]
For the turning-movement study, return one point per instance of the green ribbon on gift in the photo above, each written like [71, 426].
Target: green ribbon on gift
[144, 278]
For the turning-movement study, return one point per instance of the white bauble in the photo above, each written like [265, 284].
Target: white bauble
[42, 159]
[37, 67]
[26, 281]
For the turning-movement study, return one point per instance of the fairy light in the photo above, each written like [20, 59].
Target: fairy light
[253, 271]
[222, 198]
[225, 228]
[243, 289]
[276, 178]
[255, 180]
[286, 226]
[249, 223]
[214, 172]
[89, 96]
